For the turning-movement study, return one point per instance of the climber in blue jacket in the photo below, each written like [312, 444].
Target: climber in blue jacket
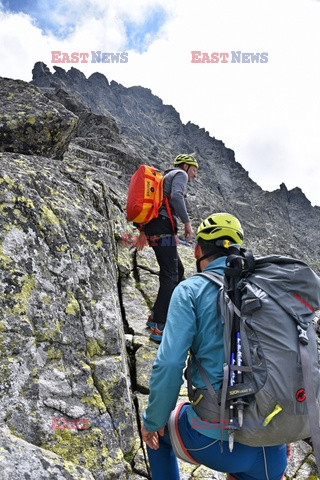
[194, 301]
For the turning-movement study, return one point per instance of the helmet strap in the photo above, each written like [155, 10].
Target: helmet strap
[199, 260]
[216, 254]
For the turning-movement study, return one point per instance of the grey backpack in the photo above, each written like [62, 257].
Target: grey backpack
[271, 389]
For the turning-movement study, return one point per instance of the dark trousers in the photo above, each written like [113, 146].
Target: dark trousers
[163, 242]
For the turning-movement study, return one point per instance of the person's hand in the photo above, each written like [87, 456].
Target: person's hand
[151, 438]
[188, 231]
[141, 241]
[289, 451]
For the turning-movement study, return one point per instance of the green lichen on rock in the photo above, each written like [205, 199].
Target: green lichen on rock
[83, 448]
[95, 401]
[48, 216]
[106, 388]
[73, 306]
[87, 448]
[93, 348]
[5, 259]
[19, 458]
[31, 120]
[60, 309]
[21, 298]
[54, 354]
[9, 181]
[27, 201]
[32, 124]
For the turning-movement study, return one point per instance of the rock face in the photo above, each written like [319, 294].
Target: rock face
[24, 460]
[75, 353]
[32, 124]
[61, 327]
[62, 339]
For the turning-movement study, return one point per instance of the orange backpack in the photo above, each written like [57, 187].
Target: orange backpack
[145, 195]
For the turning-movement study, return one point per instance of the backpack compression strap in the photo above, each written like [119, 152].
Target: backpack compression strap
[313, 409]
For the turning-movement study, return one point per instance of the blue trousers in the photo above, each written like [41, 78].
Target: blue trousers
[244, 463]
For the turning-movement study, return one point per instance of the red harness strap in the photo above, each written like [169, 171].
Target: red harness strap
[176, 440]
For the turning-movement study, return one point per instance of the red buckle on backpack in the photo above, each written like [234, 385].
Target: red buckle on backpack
[301, 395]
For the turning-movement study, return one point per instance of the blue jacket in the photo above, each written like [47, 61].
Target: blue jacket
[192, 322]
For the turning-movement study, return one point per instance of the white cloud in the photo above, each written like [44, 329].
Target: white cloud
[21, 45]
[268, 113]
[250, 107]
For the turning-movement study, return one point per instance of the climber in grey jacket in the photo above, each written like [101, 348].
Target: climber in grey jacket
[161, 237]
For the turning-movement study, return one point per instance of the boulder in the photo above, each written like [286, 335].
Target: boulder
[32, 124]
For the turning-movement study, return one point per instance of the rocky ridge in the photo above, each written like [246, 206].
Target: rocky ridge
[277, 222]
[75, 293]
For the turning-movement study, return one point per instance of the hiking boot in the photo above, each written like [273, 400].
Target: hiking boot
[150, 323]
[156, 334]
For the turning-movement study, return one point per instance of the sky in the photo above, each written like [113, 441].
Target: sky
[197, 57]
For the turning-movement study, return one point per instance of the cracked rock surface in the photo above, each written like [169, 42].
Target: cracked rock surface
[75, 354]
[62, 340]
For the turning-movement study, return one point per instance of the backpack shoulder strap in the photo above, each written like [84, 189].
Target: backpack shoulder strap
[214, 277]
[218, 281]
[166, 198]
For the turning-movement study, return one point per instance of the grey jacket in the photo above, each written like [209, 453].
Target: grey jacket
[175, 185]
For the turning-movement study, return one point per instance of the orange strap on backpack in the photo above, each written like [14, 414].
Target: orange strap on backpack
[166, 199]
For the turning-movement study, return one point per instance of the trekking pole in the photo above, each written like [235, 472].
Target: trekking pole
[245, 264]
[236, 406]
[240, 403]
[231, 427]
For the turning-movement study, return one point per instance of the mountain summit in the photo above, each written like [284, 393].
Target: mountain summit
[283, 221]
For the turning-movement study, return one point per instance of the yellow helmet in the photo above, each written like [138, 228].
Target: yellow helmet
[182, 158]
[220, 225]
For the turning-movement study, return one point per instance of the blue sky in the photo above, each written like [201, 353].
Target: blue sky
[61, 20]
[269, 114]
[140, 36]
[39, 12]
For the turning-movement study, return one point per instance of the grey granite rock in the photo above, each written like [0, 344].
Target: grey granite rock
[32, 124]
[74, 297]
[21, 460]
[62, 339]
